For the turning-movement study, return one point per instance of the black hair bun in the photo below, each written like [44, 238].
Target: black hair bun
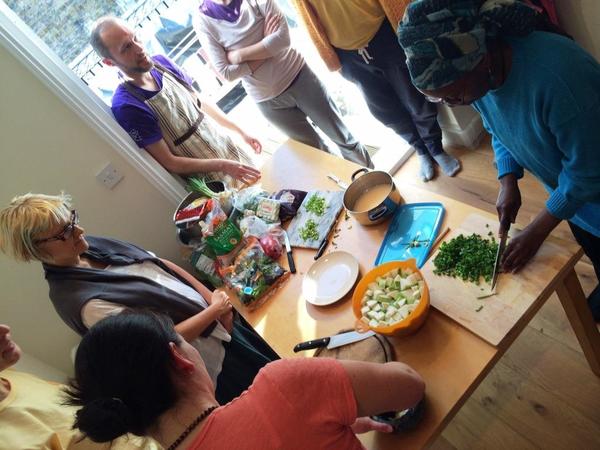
[103, 420]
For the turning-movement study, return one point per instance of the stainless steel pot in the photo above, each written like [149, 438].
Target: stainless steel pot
[361, 185]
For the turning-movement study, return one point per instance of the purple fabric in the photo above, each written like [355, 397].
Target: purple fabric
[230, 13]
[136, 117]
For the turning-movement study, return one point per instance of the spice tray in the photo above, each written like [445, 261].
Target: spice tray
[411, 233]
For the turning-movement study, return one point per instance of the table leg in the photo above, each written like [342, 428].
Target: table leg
[573, 300]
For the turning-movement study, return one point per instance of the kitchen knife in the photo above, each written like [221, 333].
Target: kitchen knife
[337, 181]
[325, 240]
[334, 341]
[288, 250]
[499, 254]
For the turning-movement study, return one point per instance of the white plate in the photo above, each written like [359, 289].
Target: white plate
[330, 278]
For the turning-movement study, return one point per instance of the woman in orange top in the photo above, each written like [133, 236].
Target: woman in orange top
[134, 373]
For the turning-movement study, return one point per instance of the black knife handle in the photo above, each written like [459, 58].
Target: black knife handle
[311, 344]
[291, 262]
[321, 249]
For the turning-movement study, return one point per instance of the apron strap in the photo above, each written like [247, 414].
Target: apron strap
[127, 85]
[191, 130]
[194, 127]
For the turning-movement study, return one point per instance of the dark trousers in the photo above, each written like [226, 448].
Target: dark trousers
[245, 355]
[591, 246]
[390, 95]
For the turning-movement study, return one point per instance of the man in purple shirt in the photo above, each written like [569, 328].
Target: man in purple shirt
[157, 105]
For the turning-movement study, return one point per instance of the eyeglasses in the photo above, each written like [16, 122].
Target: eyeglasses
[67, 231]
[453, 101]
[450, 101]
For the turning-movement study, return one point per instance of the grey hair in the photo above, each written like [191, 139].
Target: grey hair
[96, 35]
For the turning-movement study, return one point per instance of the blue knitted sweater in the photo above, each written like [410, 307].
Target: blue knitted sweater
[546, 118]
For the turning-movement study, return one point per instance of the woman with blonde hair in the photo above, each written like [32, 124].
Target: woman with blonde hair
[94, 277]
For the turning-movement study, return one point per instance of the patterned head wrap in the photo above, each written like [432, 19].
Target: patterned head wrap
[444, 39]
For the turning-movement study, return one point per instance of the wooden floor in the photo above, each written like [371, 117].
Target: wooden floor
[541, 394]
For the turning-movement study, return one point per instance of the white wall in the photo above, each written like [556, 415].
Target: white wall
[46, 148]
[581, 19]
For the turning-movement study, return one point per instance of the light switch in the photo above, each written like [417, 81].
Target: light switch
[109, 176]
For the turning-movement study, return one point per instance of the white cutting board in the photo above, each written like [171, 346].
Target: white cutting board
[334, 204]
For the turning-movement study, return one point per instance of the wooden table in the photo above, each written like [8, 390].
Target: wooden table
[451, 359]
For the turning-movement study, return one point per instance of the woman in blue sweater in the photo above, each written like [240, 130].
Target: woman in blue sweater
[539, 96]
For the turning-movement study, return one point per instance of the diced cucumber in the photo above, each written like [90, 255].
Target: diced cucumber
[397, 281]
[384, 299]
[391, 297]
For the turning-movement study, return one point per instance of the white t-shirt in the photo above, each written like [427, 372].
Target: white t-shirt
[210, 348]
[276, 73]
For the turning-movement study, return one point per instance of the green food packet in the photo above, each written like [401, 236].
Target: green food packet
[226, 236]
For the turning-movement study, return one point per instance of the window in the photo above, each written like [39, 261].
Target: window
[165, 27]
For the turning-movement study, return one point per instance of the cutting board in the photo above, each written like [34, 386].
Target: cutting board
[494, 317]
[334, 202]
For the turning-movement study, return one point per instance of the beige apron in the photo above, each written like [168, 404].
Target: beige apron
[187, 131]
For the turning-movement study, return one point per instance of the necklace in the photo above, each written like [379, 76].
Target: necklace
[191, 427]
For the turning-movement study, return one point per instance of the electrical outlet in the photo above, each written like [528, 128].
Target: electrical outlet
[109, 176]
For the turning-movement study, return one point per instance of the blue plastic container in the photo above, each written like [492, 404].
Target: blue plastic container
[411, 233]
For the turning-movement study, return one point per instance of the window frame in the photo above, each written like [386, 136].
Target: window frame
[38, 58]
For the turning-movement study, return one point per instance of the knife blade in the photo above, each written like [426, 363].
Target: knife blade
[334, 341]
[337, 181]
[288, 250]
[499, 253]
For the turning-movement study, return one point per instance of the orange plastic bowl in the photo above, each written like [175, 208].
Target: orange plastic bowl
[406, 326]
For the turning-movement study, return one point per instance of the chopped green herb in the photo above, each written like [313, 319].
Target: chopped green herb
[468, 258]
[316, 204]
[479, 308]
[490, 234]
[487, 225]
[309, 231]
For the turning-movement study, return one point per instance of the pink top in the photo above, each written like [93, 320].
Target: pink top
[292, 404]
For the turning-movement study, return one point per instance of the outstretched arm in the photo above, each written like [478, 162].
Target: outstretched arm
[378, 388]
[182, 165]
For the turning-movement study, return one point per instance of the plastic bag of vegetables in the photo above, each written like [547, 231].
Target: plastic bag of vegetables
[253, 275]
[205, 262]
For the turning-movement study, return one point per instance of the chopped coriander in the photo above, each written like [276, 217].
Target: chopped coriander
[316, 204]
[469, 258]
[479, 308]
[309, 231]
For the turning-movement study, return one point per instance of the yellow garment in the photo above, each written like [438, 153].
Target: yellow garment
[32, 418]
[317, 28]
[349, 24]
